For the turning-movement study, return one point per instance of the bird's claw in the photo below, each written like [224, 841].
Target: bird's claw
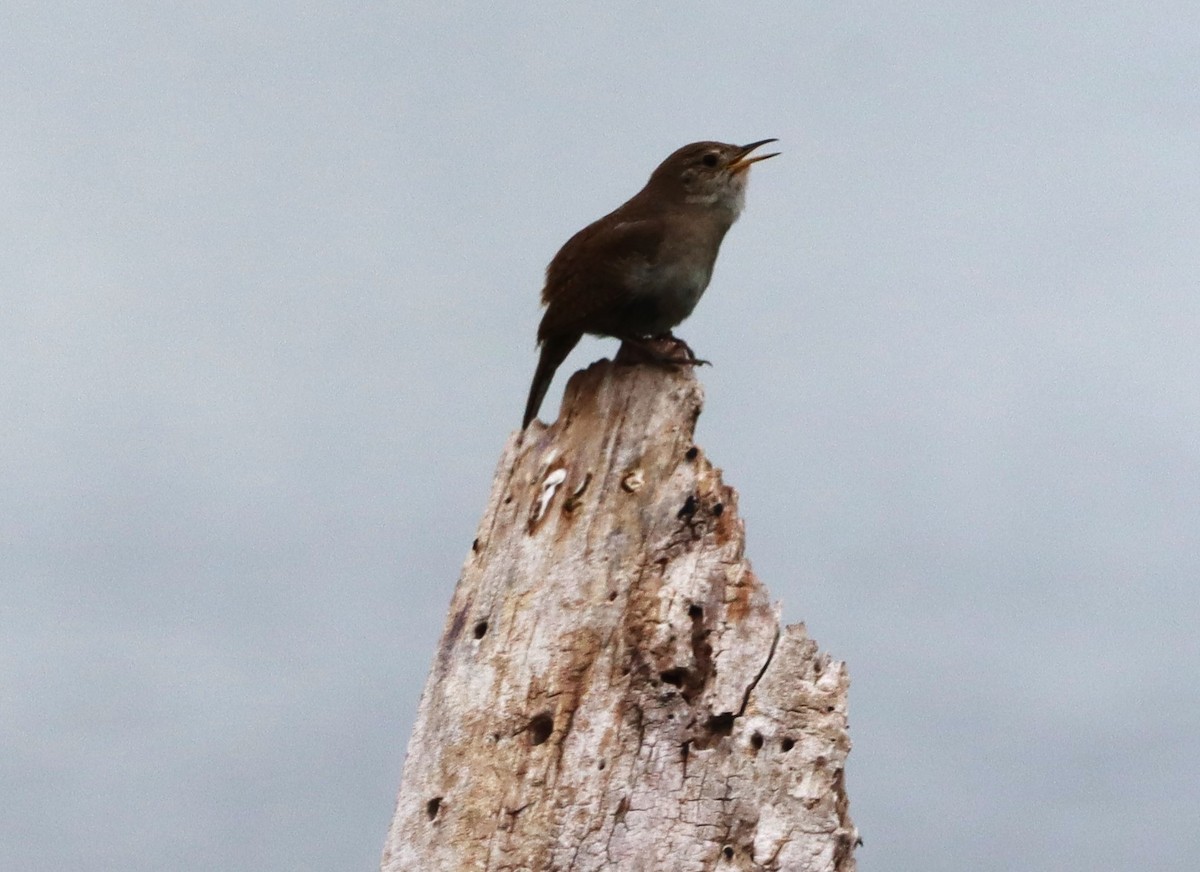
[689, 357]
[641, 349]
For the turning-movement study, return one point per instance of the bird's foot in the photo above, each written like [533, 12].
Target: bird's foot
[664, 350]
[681, 347]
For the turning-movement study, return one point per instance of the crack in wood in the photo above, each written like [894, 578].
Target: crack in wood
[577, 641]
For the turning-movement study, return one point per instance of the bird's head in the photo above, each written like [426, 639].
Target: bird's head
[708, 174]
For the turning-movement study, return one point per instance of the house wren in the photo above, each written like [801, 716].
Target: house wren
[640, 270]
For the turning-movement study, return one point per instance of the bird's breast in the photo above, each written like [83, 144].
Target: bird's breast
[669, 292]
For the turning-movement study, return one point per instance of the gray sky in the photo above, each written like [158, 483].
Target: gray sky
[269, 293]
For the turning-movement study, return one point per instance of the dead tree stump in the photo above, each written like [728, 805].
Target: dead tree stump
[612, 690]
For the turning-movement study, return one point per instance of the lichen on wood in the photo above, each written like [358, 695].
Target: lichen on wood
[613, 689]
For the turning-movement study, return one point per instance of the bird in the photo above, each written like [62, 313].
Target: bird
[639, 271]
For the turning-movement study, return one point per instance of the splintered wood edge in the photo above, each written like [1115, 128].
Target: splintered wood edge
[545, 658]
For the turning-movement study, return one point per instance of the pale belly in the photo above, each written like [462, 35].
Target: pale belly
[664, 298]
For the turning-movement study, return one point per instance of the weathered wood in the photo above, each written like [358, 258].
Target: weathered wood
[612, 689]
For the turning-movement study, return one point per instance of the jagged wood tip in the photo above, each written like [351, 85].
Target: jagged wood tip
[613, 689]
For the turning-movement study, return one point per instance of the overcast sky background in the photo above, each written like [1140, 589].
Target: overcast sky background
[268, 295]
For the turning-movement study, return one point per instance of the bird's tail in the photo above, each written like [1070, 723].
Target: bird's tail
[554, 351]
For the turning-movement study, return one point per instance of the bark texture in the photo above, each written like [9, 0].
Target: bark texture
[613, 689]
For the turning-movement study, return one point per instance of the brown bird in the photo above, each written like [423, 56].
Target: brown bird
[640, 270]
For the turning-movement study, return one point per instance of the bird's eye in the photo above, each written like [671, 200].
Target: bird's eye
[709, 160]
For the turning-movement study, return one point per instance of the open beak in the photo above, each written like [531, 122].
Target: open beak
[743, 160]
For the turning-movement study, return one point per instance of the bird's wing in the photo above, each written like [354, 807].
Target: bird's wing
[593, 270]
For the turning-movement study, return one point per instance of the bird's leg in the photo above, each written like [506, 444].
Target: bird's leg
[690, 356]
[643, 349]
